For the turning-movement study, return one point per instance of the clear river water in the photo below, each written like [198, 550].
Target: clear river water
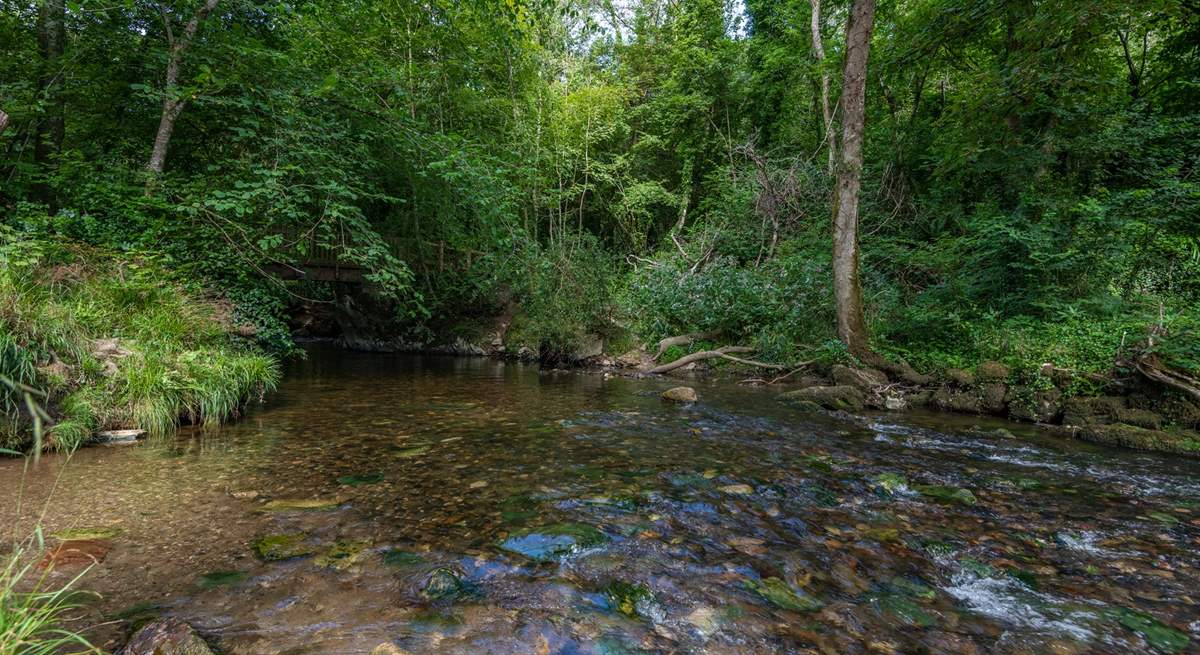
[457, 505]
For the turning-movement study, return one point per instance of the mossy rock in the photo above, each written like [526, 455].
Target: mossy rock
[912, 588]
[680, 395]
[1159, 635]
[782, 595]
[625, 598]
[865, 379]
[302, 505]
[548, 543]
[221, 578]
[1141, 418]
[960, 377]
[1096, 410]
[905, 611]
[342, 555]
[992, 372]
[947, 494]
[842, 397]
[410, 452]
[279, 547]
[1129, 436]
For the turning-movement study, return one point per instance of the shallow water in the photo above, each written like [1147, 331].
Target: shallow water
[470, 506]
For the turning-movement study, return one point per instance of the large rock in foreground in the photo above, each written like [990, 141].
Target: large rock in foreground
[841, 397]
[166, 637]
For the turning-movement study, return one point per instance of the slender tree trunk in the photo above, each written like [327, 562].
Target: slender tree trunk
[3, 121]
[52, 128]
[851, 327]
[173, 104]
[826, 112]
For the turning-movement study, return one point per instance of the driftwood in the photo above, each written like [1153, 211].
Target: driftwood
[683, 340]
[723, 353]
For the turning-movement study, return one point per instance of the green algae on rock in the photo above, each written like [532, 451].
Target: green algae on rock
[443, 583]
[220, 578]
[279, 547]
[889, 484]
[1159, 635]
[626, 598]
[548, 543]
[342, 555]
[400, 558]
[782, 595]
[947, 494]
[363, 479]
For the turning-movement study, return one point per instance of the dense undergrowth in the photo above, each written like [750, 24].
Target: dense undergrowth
[114, 342]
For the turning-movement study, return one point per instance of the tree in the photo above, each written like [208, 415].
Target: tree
[52, 128]
[851, 326]
[3, 121]
[826, 112]
[173, 103]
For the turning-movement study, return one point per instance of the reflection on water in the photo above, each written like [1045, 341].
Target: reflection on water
[467, 506]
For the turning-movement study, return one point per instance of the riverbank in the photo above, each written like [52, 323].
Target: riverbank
[102, 341]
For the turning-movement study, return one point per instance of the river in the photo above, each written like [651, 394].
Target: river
[458, 505]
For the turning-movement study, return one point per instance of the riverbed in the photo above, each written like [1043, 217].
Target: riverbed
[460, 505]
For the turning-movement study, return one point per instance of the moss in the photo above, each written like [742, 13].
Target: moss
[279, 547]
[1129, 436]
[625, 597]
[780, 594]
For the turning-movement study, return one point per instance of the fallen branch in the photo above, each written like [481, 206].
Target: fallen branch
[684, 340]
[699, 356]
[750, 362]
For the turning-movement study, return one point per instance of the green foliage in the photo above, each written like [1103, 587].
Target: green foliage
[116, 344]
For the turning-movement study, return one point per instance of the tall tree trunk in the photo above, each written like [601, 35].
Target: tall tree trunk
[51, 129]
[851, 327]
[3, 121]
[173, 104]
[826, 112]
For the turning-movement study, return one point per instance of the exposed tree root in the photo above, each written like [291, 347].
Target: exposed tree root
[723, 353]
[1154, 370]
[684, 340]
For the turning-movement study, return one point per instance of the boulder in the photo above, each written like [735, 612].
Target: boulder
[1038, 406]
[865, 379]
[965, 402]
[991, 397]
[636, 359]
[992, 372]
[166, 637]
[895, 403]
[1099, 410]
[960, 377]
[841, 397]
[589, 347]
[680, 395]
[1129, 436]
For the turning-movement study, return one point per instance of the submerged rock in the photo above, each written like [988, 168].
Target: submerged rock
[780, 594]
[74, 534]
[680, 395]
[841, 397]
[548, 543]
[166, 637]
[362, 479]
[279, 547]
[1159, 635]
[443, 584]
[302, 505]
[221, 578]
[76, 552]
[342, 555]
[632, 600]
[889, 484]
[947, 494]
[388, 648]
[401, 558]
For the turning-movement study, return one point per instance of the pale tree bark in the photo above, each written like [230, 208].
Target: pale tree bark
[3, 121]
[826, 112]
[173, 104]
[51, 129]
[851, 327]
